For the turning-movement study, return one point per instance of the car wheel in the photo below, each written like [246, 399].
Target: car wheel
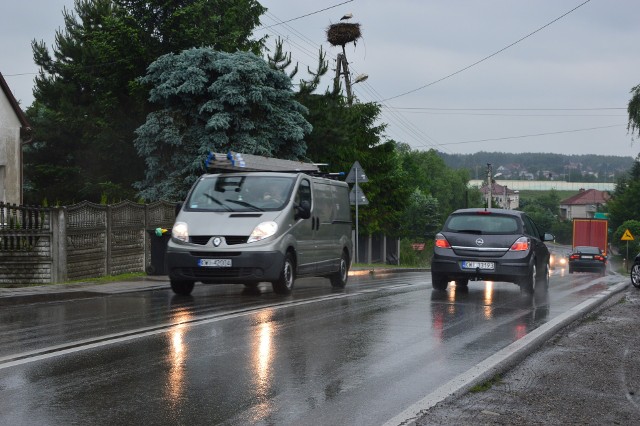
[182, 287]
[462, 282]
[528, 284]
[439, 282]
[339, 279]
[543, 280]
[284, 284]
[570, 270]
[635, 275]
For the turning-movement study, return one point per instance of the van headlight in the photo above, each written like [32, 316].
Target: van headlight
[262, 231]
[180, 231]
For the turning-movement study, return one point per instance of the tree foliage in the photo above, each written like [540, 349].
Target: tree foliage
[88, 101]
[625, 202]
[427, 171]
[422, 216]
[214, 101]
[633, 109]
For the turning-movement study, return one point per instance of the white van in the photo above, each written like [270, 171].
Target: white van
[253, 227]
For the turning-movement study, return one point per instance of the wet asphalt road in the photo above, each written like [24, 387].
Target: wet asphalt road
[227, 356]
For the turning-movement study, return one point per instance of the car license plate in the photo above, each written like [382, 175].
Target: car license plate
[467, 264]
[586, 257]
[215, 263]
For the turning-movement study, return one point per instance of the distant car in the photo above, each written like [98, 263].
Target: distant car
[493, 245]
[635, 272]
[557, 260]
[587, 259]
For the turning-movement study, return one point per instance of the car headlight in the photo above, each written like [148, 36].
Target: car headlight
[262, 231]
[180, 231]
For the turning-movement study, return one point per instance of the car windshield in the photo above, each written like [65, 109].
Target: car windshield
[587, 250]
[224, 193]
[482, 224]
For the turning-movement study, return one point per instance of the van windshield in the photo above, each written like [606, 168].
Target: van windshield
[232, 193]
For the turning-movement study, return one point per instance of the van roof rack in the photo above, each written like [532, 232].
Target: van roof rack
[237, 162]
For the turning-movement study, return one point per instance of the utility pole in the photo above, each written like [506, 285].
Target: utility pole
[490, 183]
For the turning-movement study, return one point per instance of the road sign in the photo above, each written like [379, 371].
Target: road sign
[627, 236]
[357, 194]
[356, 172]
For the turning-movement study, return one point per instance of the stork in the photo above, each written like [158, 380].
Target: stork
[346, 16]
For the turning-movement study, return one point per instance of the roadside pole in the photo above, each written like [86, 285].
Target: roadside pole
[357, 197]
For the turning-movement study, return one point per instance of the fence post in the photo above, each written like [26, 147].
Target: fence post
[58, 245]
[108, 239]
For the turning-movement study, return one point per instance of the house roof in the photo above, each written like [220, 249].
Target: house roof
[588, 196]
[26, 127]
[496, 189]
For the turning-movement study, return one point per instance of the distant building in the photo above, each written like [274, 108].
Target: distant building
[14, 132]
[504, 197]
[584, 204]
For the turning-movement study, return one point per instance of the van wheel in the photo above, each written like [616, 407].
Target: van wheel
[183, 288]
[284, 284]
[339, 279]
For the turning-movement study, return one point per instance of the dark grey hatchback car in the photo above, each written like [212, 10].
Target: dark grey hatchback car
[490, 245]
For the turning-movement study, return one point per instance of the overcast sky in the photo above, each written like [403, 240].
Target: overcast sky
[460, 76]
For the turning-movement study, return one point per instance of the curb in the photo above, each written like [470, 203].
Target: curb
[504, 359]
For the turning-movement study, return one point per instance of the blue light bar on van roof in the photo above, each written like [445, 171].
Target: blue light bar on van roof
[236, 162]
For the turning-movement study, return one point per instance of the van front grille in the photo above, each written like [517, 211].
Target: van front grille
[230, 239]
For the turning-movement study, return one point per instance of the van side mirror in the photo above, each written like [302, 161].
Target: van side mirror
[178, 208]
[303, 211]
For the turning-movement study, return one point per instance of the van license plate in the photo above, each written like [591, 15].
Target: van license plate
[466, 264]
[215, 263]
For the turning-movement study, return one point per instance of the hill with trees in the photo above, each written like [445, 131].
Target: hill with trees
[542, 166]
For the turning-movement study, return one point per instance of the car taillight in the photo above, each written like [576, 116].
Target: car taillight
[521, 244]
[598, 257]
[442, 242]
[574, 257]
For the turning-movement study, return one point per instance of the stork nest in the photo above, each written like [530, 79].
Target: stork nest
[343, 33]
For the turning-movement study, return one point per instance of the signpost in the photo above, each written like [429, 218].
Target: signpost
[356, 196]
[627, 236]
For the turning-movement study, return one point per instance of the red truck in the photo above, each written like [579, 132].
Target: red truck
[591, 232]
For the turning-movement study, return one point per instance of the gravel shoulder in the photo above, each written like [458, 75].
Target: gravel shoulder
[587, 374]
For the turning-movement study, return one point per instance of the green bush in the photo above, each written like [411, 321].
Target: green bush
[415, 258]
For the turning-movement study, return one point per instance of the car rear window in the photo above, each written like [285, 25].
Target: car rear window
[483, 223]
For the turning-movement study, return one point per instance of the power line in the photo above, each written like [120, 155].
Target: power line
[487, 57]
[534, 135]
[303, 16]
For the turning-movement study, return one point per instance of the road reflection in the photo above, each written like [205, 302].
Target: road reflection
[176, 357]
[457, 310]
[263, 350]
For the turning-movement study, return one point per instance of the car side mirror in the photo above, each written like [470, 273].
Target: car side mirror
[178, 208]
[548, 237]
[303, 211]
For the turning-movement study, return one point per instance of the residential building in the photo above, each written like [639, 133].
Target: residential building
[501, 196]
[15, 131]
[584, 204]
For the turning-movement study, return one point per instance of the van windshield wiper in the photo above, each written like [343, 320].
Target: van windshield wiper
[215, 200]
[245, 204]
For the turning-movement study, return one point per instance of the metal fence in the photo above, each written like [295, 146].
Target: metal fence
[85, 240]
